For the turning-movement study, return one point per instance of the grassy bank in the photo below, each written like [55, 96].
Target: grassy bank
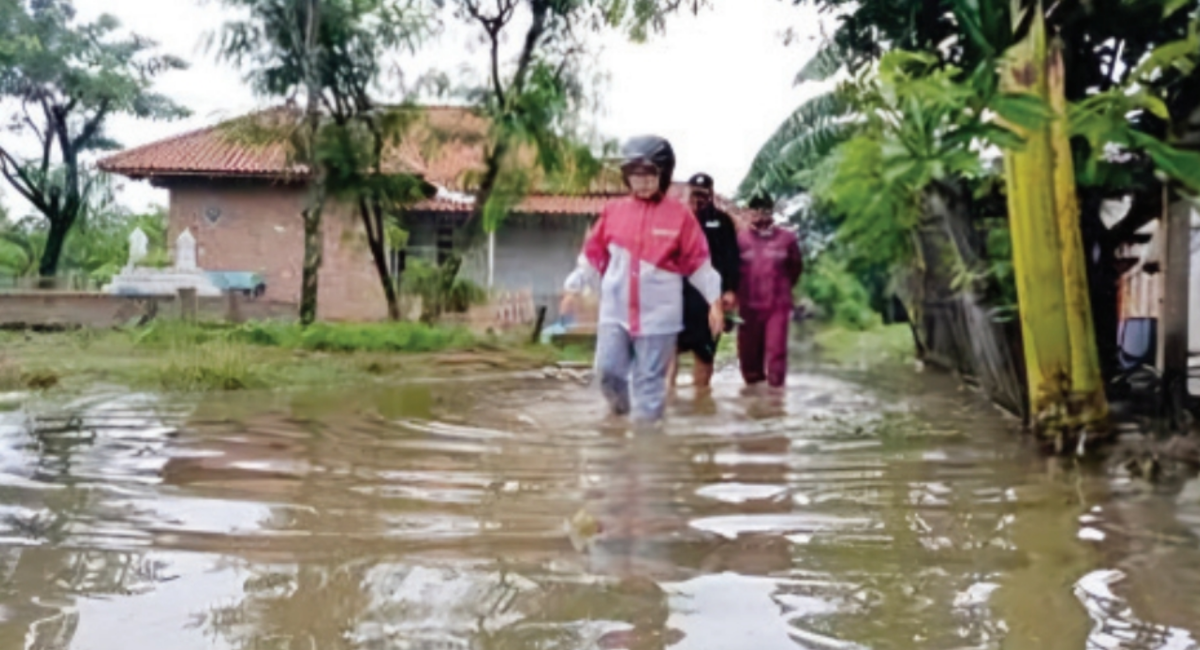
[174, 356]
[884, 344]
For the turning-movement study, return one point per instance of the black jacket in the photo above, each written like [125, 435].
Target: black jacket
[727, 260]
[722, 246]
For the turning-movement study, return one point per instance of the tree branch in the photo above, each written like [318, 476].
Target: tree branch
[21, 181]
[91, 127]
[536, 29]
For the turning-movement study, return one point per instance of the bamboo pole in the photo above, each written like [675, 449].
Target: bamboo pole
[1066, 392]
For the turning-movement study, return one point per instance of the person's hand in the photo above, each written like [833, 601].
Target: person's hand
[716, 319]
[567, 306]
[729, 301]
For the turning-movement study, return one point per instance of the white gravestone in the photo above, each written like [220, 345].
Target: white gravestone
[138, 243]
[135, 280]
[185, 252]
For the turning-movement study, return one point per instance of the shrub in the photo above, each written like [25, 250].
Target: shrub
[841, 297]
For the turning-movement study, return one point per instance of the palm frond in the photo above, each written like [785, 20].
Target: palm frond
[808, 134]
[824, 65]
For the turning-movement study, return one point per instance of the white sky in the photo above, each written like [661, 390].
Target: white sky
[716, 85]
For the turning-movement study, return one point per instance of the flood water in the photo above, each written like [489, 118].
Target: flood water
[861, 510]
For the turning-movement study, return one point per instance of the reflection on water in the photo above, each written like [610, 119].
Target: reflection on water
[852, 512]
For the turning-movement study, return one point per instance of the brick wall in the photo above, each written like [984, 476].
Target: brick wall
[258, 227]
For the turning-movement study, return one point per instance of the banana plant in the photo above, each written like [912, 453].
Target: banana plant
[1065, 391]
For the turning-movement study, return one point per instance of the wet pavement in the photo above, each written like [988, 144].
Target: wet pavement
[859, 510]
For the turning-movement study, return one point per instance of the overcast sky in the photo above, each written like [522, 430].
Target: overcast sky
[716, 85]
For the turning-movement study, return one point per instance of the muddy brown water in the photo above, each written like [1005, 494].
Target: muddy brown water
[860, 510]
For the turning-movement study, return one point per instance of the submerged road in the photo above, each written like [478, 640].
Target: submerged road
[859, 510]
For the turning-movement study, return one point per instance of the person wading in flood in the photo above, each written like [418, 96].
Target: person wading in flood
[641, 250]
[721, 235]
[771, 265]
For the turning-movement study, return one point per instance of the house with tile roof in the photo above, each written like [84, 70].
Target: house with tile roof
[242, 201]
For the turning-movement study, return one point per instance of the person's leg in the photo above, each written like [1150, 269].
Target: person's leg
[750, 347]
[651, 357]
[673, 370]
[702, 368]
[702, 373]
[777, 346]
[613, 348]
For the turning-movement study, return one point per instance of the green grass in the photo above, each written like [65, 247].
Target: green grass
[175, 356]
[882, 344]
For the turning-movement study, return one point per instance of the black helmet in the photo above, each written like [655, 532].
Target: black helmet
[653, 151]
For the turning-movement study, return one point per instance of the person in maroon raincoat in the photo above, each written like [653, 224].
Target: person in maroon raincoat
[771, 265]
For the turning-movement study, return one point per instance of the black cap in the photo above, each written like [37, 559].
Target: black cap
[703, 181]
[761, 202]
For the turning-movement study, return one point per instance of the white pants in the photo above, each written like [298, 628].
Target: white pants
[646, 359]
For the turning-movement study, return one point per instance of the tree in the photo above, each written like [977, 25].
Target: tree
[332, 51]
[1106, 45]
[530, 101]
[65, 79]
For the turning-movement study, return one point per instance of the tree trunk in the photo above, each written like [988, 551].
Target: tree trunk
[313, 239]
[372, 218]
[56, 240]
[314, 244]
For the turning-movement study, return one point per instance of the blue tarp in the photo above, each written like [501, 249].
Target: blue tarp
[236, 280]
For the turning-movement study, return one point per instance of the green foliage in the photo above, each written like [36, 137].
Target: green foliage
[1103, 119]
[440, 289]
[866, 347]
[215, 366]
[63, 79]
[98, 249]
[839, 294]
[333, 51]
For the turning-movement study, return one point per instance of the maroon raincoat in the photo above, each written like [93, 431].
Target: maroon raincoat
[771, 265]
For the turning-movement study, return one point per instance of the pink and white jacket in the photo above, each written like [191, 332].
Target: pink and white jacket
[640, 252]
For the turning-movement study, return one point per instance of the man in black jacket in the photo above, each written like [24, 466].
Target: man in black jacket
[726, 259]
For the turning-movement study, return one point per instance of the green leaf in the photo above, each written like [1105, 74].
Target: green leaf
[824, 65]
[1179, 164]
[1179, 54]
[1023, 110]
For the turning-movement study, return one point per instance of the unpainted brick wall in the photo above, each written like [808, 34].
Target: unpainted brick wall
[258, 227]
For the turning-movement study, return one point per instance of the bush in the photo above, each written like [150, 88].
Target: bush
[439, 293]
[391, 337]
[841, 297]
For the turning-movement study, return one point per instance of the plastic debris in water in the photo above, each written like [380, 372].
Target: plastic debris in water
[582, 528]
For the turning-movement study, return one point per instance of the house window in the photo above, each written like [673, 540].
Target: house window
[445, 243]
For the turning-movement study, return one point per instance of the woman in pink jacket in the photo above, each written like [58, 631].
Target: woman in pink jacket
[771, 265]
[641, 251]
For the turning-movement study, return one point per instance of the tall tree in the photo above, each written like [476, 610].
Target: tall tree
[531, 97]
[65, 79]
[332, 52]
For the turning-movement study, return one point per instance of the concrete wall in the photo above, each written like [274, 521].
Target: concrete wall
[97, 310]
[535, 254]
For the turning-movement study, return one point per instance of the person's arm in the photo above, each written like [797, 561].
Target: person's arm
[730, 266]
[695, 263]
[795, 262]
[593, 259]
